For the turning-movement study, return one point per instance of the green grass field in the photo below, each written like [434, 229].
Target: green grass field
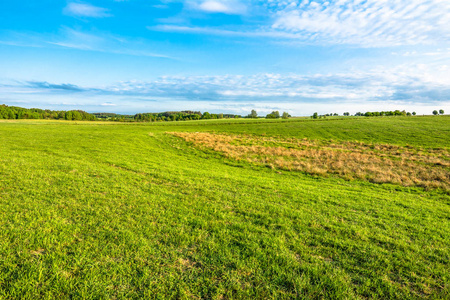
[96, 210]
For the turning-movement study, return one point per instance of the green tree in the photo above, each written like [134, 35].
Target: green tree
[413, 113]
[286, 115]
[315, 115]
[76, 116]
[441, 111]
[435, 112]
[253, 114]
[68, 115]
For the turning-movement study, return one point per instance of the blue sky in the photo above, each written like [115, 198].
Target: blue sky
[231, 56]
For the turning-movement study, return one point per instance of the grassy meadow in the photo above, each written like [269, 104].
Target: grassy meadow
[350, 208]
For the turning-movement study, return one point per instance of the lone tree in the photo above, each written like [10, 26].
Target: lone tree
[286, 115]
[435, 112]
[315, 115]
[413, 113]
[253, 114]
[441, 111]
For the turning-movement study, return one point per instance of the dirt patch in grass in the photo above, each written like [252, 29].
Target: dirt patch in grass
[378, 163]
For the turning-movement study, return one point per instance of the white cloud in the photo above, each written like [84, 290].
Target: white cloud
[86, 10]
[218, 6]
[370, 23]
[416, 83]
[414, 88]
[214, 6]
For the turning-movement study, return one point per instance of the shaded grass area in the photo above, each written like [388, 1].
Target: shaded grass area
[126, 211]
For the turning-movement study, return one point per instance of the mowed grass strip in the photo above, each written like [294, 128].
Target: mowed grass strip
[101, 211]
[378, 163]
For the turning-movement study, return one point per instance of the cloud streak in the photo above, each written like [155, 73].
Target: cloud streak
[86, 41]
[52, 86]
[86, 10]
[224, 32]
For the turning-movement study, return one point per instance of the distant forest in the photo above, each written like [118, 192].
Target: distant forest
[163, 116]
[180, 116]
[14, 112]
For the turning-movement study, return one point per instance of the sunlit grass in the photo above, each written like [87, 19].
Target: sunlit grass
[108, 210]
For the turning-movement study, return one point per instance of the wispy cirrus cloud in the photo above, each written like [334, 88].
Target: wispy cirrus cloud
[86, 10]
[83, 40]
[224, 32]
[370, 23]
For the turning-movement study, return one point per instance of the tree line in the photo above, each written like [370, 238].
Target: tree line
[375, 114]
[185, 115]
[14, 112]
[273, 115]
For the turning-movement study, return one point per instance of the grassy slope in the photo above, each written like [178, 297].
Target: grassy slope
[123, 210]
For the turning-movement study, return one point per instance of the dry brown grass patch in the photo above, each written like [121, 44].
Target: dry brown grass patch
[379, 163]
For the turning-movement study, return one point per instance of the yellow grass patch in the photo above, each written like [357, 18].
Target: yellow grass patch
[379, 163]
